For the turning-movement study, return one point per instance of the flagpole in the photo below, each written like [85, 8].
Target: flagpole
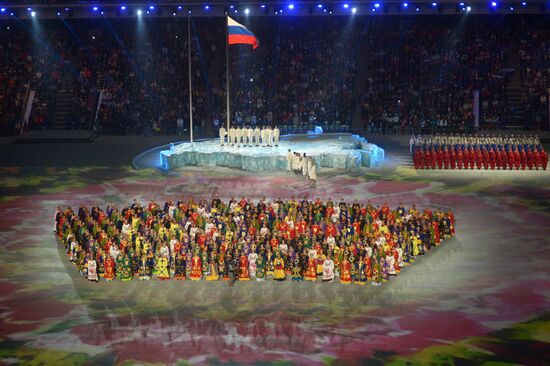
[228, 114]
[190, 83]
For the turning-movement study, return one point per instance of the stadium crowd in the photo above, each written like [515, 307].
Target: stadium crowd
[244, 240]
[402, 71]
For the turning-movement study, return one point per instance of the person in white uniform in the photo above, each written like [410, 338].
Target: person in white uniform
[250, 134]
[289, 160]
[269, 134]
[264, 136]
[257, 136]
[276, 134]
[238, 133]
[231, 135]
[312, 169]
[297, 164]
[305, 161]
[222, 135]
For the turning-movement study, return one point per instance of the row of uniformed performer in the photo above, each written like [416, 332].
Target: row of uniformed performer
[499, 153]
[301, 164]
[506, 140]
[244, 240]
[480, 157]
[248, 136]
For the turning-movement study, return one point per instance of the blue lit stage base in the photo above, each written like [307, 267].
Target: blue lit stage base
[342, 151]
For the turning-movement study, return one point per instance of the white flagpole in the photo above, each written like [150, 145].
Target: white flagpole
[190, 83]
[227, 71]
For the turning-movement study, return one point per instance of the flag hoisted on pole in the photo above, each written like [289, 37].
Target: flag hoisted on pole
[236, 34]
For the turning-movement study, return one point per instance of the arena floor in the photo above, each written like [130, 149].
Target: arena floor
[482, 297]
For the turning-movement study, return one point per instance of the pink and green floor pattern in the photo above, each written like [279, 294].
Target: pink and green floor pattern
[481, 298]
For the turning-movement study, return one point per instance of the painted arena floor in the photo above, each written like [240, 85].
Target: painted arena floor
[482, 297]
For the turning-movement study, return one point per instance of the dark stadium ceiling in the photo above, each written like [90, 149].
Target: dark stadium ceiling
[216, 8]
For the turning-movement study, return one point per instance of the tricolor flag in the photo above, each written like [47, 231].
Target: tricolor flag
[239, 34]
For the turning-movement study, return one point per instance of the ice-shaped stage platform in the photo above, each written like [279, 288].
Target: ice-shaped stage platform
[343, 151]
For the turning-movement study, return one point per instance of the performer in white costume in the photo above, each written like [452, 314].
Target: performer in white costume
[257, 136]
[305, 161]
[231, 135]
[222, 135]
[276, 134]
[289, 160]
[269, 135]
[249, 134]
[264, 136]
[312, 169]
[239, 134]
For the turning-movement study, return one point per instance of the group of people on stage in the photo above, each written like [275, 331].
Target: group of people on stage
[245, 240]
[301, 164]
[478, 151]
[248, 136]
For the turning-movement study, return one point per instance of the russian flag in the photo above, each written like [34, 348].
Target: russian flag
[239, 34]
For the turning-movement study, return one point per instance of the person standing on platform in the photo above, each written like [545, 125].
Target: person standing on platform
[276, 134]
[239, 134]
[257, 136]
[289, 160]
[231, 135]
[250, 135]
[312, 170]
[222, 135]
[269, 136]
[304, 165]
[264, 136]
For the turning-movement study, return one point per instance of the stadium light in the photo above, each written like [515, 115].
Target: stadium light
[247, 11]
[376, 5]
[262, 6]
[151, 7]
[123, 7]
[434, 5]
[139, 12]
[319, 6]
[180, 7]
[2, 10]
[417, 9]
[33, 14]
[206, 7]
[524, 4]
[291, 6]
[468, 9]
[494, 4]
[405, 5]
[354, 10]
[95, 8]
[346, 6]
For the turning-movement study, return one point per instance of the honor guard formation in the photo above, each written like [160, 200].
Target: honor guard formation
[478, 152]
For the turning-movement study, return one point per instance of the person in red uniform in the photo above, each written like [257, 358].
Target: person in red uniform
[478, 158]
[536, 159]
[529, 158]
[511, 159]
[523, 158]
[427, 159]
[459, 158]
[498, 159]
[439, 155]
[416, 158]
[485, 153]
[446, 158]
[452, 155]
[492, 158]
[543, 158]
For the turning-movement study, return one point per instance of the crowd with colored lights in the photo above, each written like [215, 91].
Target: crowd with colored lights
[245, 240]
[500, 152]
